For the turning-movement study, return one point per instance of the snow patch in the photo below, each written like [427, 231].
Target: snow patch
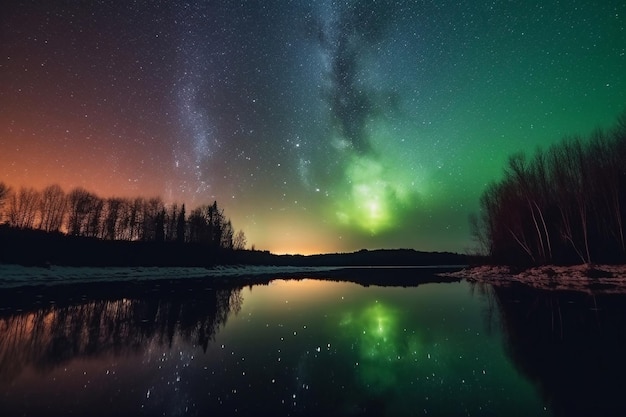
[593, 279]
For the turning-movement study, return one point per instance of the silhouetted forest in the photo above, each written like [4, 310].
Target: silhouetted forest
[39, 248]
[34, 222]
[85, 214]
[566, 204]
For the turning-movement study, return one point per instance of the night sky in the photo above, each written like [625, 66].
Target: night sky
[318, 126]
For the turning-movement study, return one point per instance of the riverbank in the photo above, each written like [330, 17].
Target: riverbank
[592, 279]
[19, 276]
[26, 288]
[12, 276]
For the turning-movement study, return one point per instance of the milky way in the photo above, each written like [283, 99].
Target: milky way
[318, 126]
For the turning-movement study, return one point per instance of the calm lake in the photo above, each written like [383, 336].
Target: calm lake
[313, 347]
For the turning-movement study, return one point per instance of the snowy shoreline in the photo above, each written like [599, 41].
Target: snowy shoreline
[12, 276]
[592, 279]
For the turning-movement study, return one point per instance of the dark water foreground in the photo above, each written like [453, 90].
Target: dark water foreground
[311, 347]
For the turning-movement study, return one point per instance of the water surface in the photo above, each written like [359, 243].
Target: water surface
[312, 347]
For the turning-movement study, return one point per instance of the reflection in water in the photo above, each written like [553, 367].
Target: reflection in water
[54, 335]
[383, 348]
[571, 345]
[410, 351]
[294, 348]
[315, 348]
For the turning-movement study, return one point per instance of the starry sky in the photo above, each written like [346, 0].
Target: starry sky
[319, 126]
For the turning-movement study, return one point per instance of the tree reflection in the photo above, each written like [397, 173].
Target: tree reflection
[53, 335]
[571, 345]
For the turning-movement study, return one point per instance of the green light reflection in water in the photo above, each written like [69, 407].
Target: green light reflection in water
[425, 350]
[382, 347]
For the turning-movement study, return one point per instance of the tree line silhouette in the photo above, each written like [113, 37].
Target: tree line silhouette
[566, 204]
[82, 213]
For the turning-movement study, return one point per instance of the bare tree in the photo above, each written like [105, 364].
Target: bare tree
[95, 217]
[226, 239]
[560, 175]
[197, 225]
[52, 208]
[113, 218]
[529, 180]
[22, 209]
[478, 232]
[181, 225]
[135, 218]
[123, 227]
[5, 192]
[239, 241]
[84, 211]
[578, 185]
[153, 220]
[605, 166]
[171, 219]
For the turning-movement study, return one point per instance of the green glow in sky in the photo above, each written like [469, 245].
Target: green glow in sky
[373, 197]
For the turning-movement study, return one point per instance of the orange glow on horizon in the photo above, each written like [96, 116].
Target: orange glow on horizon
[39, 163]
[290, 235]
[306, 251]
